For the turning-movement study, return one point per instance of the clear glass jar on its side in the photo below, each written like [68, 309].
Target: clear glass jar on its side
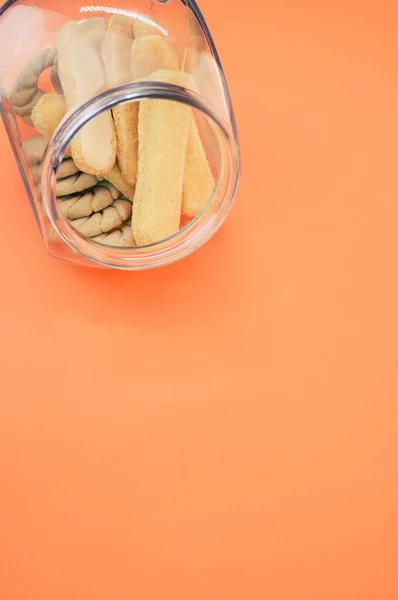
[100, 237]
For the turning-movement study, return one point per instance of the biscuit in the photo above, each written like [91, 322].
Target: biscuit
[48, 113]
[75, 184]
[150, 53]
[198, 178]
[162, 144]
[116, 56]
[144, 25]
[25, 93]
[84, 205]
[104, 221]
[119, 237]
[82, 76]
[115, 177]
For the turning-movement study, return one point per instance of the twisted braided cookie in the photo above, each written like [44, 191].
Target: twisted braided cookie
[157, 144]
[109, 211]
[67, 168]
[69, 179]
[34, 149]
[75, 184]
[119, 237]
[25, 94]
[72, 180]
[104, 221]
[80, 181]
[84, 205]
[100, 213]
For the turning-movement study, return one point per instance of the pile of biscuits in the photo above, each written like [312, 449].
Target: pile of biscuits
[131, 173]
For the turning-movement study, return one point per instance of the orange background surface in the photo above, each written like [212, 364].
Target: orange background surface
[225, 428]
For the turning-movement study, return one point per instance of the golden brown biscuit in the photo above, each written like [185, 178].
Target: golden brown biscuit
[116, 56]
[162, 138]
[152, 53]
[116, 178]
[198, 179]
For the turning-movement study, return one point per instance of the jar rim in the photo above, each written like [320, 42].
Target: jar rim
[177, 246]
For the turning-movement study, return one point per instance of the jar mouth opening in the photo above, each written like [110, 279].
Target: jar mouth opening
[192, 235]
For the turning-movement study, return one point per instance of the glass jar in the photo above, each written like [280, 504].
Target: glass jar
[122, 126]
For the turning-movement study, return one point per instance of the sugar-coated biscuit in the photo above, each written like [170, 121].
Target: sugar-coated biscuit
[116, 56]
[162, 144]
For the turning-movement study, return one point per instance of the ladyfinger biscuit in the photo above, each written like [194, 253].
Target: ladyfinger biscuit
[144, 25]
[116, 56]
[74, 47]
[150, 53]
[125, 119]
[82, 76]
[116, 178]
[162, 138]
[198, 179]
[48, 113]
[116, 50]
[147, 55]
